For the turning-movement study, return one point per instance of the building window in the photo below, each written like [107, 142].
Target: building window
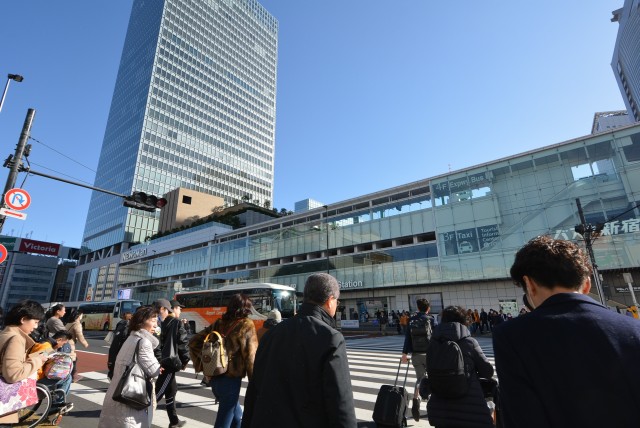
[186, 200]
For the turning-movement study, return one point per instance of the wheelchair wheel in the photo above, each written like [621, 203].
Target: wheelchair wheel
[35, 414]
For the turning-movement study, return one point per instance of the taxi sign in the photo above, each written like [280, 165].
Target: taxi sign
[17, 199]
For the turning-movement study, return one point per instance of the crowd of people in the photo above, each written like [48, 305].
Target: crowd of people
[567, 361]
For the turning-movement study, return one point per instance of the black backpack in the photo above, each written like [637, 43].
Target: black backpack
[420, 330]
[447, 372]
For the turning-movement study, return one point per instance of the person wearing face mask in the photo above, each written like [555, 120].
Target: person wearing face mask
[570, 361]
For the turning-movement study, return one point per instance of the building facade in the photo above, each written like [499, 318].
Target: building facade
[38, 270]
[193, 107]
[449, 238]
[626, 55]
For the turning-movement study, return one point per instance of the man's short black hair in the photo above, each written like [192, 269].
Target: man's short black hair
[62, 334]
[551, 262]
[319, 288]
[423, 305]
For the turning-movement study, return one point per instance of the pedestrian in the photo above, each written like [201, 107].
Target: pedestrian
[240, 342]
[273, 318]
[15, 342]
[301, 376]
[571, 361]
[58, 343]
[142, 328]
[484, 321]
[469, 410]
[404, 320]
[173, 355]
[476, 322]
[419, 324]
[75, 329]
[120, 334]
[54, 323]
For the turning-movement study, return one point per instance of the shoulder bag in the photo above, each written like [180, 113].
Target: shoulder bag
[134, 388]
[17, 395]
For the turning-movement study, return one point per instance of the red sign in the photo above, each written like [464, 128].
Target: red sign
[39, 247]
[17, 199]
[3, 253]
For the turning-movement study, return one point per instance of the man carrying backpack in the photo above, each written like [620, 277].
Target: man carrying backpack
[416, 342]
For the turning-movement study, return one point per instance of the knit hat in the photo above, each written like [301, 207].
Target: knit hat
[274, 315]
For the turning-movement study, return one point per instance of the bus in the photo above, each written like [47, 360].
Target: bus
[202, 308]
[105, 314]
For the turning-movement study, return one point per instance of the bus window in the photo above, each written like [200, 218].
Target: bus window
[210, 301]
[284, 301]
[128, 306]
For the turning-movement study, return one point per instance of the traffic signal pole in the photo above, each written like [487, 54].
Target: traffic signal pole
[17, 159]
[138, 200]
[589, 233]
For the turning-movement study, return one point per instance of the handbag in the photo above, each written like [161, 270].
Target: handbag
[17, 395]
[134, 388]
[58, 366]
[109, 337]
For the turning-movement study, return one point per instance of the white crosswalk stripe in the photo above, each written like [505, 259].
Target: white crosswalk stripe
[372, 362]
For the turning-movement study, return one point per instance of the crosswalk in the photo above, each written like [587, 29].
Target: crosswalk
[372, 362]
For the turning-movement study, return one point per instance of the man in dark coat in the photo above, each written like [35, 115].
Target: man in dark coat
[173, 355]
[571, 362]
[418, 356]
[301, 373]
[120, 334]
[470, 410]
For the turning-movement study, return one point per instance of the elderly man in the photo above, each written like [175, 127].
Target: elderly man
[571, 362]
[301, 374]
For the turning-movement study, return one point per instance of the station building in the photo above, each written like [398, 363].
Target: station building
[449, 238]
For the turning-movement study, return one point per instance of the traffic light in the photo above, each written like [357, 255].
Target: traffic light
[144, 202]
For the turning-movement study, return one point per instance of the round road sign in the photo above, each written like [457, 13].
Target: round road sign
[3, 253]
[17, 199]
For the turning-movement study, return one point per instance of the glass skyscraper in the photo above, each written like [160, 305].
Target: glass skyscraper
[626, 55]
[193, 107]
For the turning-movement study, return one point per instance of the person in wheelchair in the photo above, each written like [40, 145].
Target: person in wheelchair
[59, 388]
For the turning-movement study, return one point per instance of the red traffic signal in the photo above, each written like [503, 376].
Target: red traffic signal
[142, 201]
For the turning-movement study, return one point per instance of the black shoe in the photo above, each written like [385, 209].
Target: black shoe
[415, 409]
[178, 424]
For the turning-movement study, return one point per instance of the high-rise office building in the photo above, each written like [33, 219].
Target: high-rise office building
[193, 107]
[626, 55]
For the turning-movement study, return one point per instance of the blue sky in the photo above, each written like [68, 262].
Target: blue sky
[371, 94]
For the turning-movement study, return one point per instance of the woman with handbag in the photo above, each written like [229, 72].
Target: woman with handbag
[75, 328]
[137, 348]
[15, 365]
[241, 342]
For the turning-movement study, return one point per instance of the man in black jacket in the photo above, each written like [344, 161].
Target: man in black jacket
[120, 334]
[420, 320]
[173, 355]
[301, 373]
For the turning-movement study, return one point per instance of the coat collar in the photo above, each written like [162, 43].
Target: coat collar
[308, 309]
[144, 334]
[564, 298]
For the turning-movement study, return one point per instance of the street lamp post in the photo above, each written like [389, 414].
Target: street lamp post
[10, 77]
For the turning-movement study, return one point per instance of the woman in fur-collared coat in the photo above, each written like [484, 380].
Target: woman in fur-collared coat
[241, 342]
[115, 414]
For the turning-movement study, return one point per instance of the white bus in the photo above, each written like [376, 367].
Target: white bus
[206, 306]
[99, 315]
